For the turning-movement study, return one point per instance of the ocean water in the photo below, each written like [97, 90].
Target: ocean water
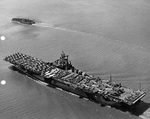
[102, 37]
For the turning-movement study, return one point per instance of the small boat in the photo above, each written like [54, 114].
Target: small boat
[23, 21]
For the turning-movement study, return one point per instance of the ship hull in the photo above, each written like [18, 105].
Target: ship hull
[80, 93]
[62, 74]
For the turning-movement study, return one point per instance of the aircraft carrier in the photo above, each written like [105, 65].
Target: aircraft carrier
[23, 21]
[61, 73]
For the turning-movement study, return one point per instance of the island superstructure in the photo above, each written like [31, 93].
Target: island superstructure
[61, 73]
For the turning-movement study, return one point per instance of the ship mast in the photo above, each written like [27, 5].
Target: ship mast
[140, 86]
[110, 80]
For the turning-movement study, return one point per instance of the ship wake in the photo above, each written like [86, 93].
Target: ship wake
[58, 28]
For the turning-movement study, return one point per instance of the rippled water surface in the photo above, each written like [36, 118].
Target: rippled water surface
[102, 37]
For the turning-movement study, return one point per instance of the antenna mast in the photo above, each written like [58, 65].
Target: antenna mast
[110, 80]
[140, 85]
